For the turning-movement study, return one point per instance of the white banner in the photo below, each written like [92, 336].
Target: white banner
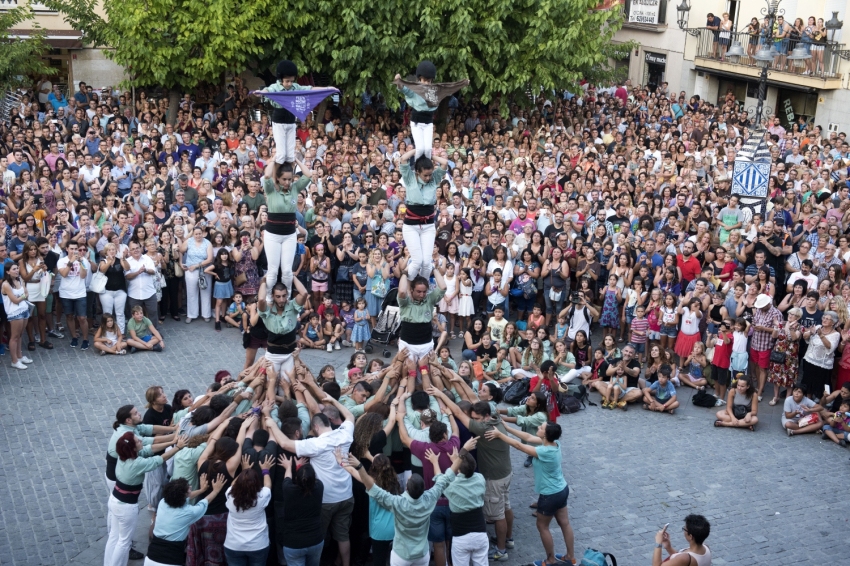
[644, 11]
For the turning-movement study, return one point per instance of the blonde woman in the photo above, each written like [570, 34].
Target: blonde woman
[378, 274]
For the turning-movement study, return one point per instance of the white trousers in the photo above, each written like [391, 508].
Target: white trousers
[396, 560]
[283, 364]
[419, 239]
[122, 519]
[154, 481]
[471, 547]
[110, 485]
[113, 302]
[416, 352]
[284, 142]
[193, 290]
[574, 374]
[280, 253]
[423, 139]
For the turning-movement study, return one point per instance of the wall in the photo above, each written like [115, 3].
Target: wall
[92, 67]
[834, 108]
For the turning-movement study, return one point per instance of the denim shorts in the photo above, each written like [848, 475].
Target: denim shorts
[548, 505]
[440, 528]
[669, 331]
[639, 348]
[23, 315]
[839, 433]
[74, 307]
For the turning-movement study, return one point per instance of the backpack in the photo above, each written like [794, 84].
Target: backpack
[568, 404]
[593, 557]
[703, 399]
[579, 391]
[517, 391]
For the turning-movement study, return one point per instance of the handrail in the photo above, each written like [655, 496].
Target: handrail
[822, 64]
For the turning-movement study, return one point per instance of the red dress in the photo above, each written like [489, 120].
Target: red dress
[843, 369]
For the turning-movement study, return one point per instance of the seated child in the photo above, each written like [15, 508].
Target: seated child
[311, 333]
[661, 395]
[142, 334]
[233, 317]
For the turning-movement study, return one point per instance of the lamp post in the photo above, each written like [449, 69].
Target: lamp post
[683, 11]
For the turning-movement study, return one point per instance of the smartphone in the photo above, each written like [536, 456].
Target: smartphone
[828, 389]
[664, 528]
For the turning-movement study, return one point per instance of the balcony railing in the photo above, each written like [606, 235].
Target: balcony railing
[822, 64]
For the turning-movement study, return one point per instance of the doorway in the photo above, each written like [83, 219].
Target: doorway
[654, 69]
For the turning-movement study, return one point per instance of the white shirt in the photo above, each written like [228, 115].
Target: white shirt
[140, 287]
[247, 529]
[72, 286]
[320, 450]
[90, 175]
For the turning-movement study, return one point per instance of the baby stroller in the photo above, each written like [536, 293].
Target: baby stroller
[387, 327]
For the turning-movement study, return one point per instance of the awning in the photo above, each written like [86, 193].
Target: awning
[57, 39]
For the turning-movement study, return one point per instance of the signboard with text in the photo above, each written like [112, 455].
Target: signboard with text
[644, 11]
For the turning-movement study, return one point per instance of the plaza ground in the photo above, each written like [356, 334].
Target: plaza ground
[770, 499]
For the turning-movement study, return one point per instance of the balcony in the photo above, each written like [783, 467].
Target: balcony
[823, 73]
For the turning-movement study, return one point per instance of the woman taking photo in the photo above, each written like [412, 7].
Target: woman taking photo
[820, 355]
[17, 312]
[247, 542]
[198, 257]
[32, 269]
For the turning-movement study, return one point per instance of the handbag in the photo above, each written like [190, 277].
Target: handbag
[809, 419]
[740, 411]
[343, 273]
[178, 269]
[98, 283]
[45, 284]
[554, 295]
[30, 308]
[240, 280]
[777, 357]
[202, 281]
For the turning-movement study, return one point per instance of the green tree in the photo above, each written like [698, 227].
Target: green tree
[20, 57]
[503, 46]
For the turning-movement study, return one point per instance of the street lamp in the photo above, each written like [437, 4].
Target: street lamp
[799, 56]
[735, 52]
[833, 25]
[683, 10]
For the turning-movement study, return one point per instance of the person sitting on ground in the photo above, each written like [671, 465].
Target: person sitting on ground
[837, 428]
[696, 530]
[661, 395]
[796, 408]
[142, 334]
[742, 405]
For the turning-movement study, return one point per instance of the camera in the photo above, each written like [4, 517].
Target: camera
[575, 297]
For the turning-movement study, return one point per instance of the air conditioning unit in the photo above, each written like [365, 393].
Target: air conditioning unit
[832, 127]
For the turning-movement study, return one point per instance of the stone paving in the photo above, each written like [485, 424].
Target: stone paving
[771, 499]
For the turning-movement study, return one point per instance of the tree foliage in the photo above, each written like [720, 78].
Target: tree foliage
[504, 47]
[20, 57]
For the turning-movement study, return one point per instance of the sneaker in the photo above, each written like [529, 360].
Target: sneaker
[720, 403]
[54, 334]
[133, 349]
[676, 381]
[789, 432]
[499, 556]
[157, 348]
[330, 348]
[26, 359]
[74, 342]
[336, 346]
[218, 326]
[207, 319]
[37, 339]
[135, 554]
[19, 365]
[188, 320]
[85, 345]
[509, 543]
[527, 463]
[60, 328]
[103, 352]
[842, 443]
[346, 343]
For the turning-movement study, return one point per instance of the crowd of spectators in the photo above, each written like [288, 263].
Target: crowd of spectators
[609, 208]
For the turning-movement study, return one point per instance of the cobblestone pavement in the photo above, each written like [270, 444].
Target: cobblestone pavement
[770, 499]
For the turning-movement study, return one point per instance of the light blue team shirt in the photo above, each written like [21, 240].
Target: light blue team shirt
[381, 522]
[173, 524]
[419, 193]
[663, 393]
[548, 477]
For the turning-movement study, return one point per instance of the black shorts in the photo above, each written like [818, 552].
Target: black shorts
[721, 376]
[548, 505]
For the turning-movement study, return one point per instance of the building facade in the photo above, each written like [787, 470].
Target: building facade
[73, 61]
[694, 61]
